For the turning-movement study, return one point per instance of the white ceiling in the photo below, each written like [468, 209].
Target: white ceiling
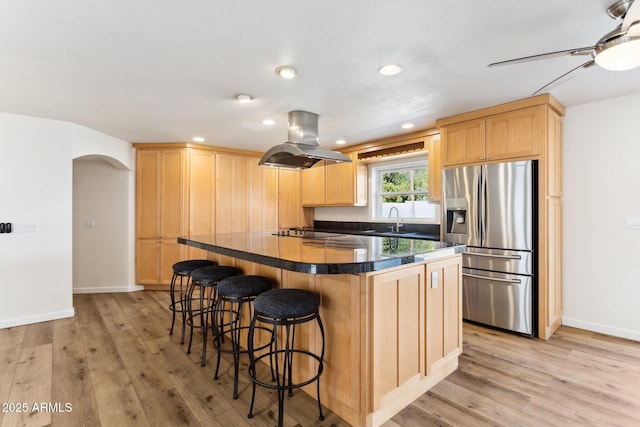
[166, 70]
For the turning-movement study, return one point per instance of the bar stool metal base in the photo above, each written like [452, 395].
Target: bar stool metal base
[182, 271]
[235, 294]
[284, 308]
[205, 280]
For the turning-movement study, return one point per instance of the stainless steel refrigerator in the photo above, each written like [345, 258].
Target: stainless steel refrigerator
[492, 209]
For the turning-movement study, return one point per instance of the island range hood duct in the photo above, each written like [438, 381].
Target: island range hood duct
[301, 150]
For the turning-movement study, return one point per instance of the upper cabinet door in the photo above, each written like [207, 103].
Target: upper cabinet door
[160, 193]
[172, 199]
[341, 183]
[148, 194]
[513, 134]
[463, 143]
[313, 185]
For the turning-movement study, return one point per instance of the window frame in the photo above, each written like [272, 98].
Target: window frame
[375, 172]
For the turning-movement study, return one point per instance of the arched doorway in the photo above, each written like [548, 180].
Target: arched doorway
[103, 256]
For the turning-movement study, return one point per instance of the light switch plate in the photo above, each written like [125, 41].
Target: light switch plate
[26, 227]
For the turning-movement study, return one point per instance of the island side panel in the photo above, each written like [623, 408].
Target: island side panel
[414, 333]
[340, 311]
[396, 304]
[340, 383]
[444, 313]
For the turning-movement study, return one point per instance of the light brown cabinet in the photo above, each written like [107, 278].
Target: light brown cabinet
[530, 128]
[510, 135]
[187, 189]
[346, 183]
[160, 213]
[443, 329]
[313, 186]
[246, 194]
[434, 157]
[290, 211]
[335, 184]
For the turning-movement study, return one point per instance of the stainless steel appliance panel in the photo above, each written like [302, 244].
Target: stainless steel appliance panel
[506, 261]
[497, 299]
[461, 221]
[507, 205]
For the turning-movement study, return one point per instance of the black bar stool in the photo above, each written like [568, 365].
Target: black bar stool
[285, 308]
[205, 279]
[234, 294]
[182, 270]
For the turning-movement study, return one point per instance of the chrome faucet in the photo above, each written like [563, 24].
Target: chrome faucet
[398, 223]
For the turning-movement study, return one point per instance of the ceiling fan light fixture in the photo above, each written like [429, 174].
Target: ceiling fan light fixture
[619, 54]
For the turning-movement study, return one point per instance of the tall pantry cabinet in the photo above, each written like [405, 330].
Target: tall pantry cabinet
[528, 129]
[161, 185]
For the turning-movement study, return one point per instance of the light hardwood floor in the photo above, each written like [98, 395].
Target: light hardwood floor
[114, 364]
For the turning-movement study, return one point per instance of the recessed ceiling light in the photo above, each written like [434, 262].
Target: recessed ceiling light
[407, 125]
[341, 142]
[268, 122]
[243, 97]
[286, 71]
[197, 139]
[390, 69]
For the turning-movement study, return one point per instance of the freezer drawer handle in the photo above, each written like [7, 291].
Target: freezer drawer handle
[495, 256]
[493, 279]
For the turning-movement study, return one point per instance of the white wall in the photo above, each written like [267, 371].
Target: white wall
[601, 274]
[36, 182]
[35, 188]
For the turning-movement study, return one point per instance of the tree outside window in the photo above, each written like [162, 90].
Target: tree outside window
[406, 189]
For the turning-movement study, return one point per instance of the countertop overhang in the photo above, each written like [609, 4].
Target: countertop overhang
[332, 254]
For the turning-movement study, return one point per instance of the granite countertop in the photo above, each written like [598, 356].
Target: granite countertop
[323, 253]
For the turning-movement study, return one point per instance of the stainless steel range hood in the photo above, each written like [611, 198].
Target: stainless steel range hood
[301, 150]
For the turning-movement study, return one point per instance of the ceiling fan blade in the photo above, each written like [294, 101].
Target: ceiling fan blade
[632, 16]
[572, 52]
[566, 76]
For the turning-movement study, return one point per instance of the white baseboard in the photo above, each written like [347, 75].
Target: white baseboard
[108, 290]
[603, 329]
[44, 317]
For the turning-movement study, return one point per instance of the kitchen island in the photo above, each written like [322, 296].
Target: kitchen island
[392, 310]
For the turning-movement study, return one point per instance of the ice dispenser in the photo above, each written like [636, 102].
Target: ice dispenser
[456, 211]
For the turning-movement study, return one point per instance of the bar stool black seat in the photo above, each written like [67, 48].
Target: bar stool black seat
[234, 294]
[285, 308]
[182, 270]
[205, 279]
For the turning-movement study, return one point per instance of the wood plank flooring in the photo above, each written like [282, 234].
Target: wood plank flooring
[114, 364]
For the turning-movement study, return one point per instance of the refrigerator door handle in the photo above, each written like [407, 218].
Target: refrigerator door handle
[479, 202]
[495, 256]
[493, 279]
[483, 204]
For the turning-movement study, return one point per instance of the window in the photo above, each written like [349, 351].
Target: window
[404, 185]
